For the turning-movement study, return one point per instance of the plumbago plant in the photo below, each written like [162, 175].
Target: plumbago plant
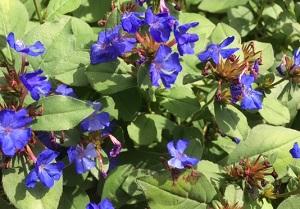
[149, 104]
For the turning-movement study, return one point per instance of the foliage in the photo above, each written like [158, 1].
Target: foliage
[135, 102]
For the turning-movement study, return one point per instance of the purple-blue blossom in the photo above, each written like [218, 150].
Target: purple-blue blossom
[45, 170]
[185, 41]
[243, 91]
[36, 84]
[131, 22]
[179, 159]
[97, 120]
[160, 25]
[84, 158]
[214, 51]
[65, 90]
[14, 130]
[165, 67]
[35, 49]
[104, 204]
[110, 45]
[295, 151]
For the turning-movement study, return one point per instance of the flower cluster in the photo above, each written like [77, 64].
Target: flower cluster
[16, 136]
[254, 173]
[147, 36]
[233, 73]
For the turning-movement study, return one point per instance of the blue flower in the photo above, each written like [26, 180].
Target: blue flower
[295, 151]
[160, 25]
[97, 121]
[250, 99]
[14, 133]
[180, 160]
[33, 50]
[213, 51]
[185, 41]
[83, 158]
[44, 170]
[165, 67]
[104, 204]
[131, 22]
[65, 90]
[110, 45]
[36, 84]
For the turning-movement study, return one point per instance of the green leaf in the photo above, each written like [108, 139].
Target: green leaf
[128, 108]
[111, 77]
[292, 202]
[60, 7]
[112, 187]
[213, 172]
[13, 18]
[274, 112]
[272, 11]
[180, 100]
[267, 55]
[242, 19]
[216, 6]
[231, 121]
[67, 49]
[92, 11]
[108, 105]
[234, 194]
[73, 199]
[267, 140]
[257, 204]
[38, 198]
[61, 113]
[146, 129]
[5, 204]
[162, 193]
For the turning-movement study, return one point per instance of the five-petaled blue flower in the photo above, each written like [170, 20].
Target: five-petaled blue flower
[213, 51]
[97, 121]
[14, 131]
[104, 204]
[185, 41]
[165, 67]
[160, 25]
[250, 98]
[65, 90]
[45, 171]
[295, 151]
[84, 158]
[131, 22]
[111, 44]
[33, 50]
[180, 160]
[36, 84]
